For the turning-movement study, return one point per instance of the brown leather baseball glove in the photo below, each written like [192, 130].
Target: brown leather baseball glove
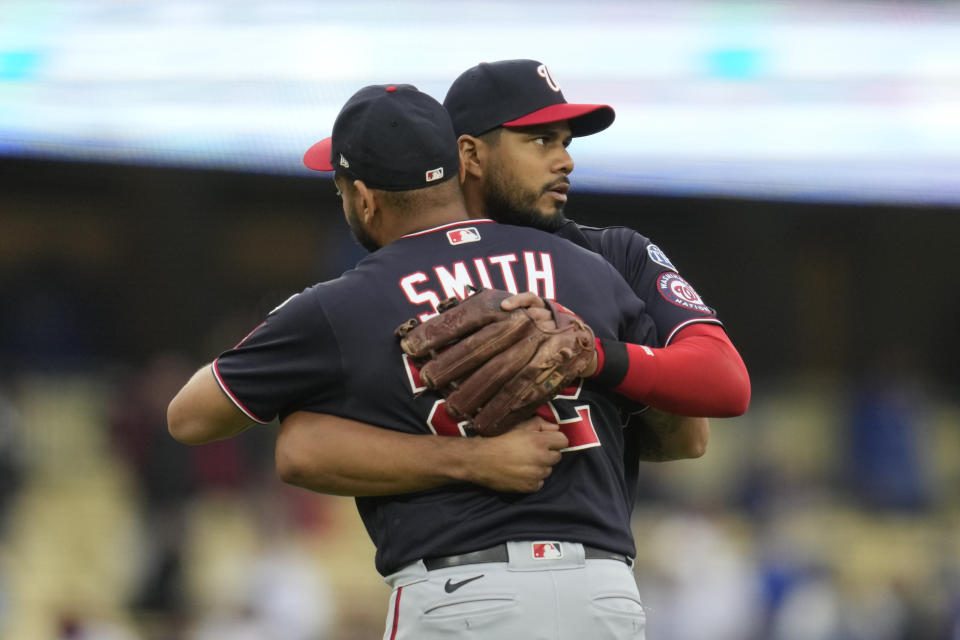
[496, 367]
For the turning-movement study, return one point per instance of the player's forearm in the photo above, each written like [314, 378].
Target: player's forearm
[699, 374]
[333, 455]
[661, 437]
[201, 413]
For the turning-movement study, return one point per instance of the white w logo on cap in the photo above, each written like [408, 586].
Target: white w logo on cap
[543, 73]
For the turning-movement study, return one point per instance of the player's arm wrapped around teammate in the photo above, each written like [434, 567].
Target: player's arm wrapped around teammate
[496, 367]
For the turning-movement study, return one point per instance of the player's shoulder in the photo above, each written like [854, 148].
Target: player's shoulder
[297, 304]
[610, 237]
[557, 242]
[321, 295]
[620, 245]
[522, 236]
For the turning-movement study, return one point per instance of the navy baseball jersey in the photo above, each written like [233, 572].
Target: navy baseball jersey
[331, 349]
[671, 301]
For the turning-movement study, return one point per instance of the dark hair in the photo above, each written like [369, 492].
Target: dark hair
[492, 137]
[412, 201]
[416, 201]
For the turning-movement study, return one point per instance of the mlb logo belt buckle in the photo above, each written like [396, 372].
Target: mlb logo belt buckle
[546, 550]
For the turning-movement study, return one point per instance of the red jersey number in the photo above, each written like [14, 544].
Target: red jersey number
[574, 420]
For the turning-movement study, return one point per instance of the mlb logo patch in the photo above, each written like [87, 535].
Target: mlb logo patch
[434, 174]
[547, 550]
[462, 236]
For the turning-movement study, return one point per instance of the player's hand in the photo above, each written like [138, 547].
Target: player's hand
[496, 367]
[544, 319]
[520, 460]
[535, 305]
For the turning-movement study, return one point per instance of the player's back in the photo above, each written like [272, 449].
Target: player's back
[435, 264]
[412, 276]
[332, 349]
[409, 278]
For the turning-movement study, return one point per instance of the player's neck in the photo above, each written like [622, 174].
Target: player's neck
[436, 216]
[473, 199]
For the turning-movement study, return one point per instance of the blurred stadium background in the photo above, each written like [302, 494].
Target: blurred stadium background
[799, 162]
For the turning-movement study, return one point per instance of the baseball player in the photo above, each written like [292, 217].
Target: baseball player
[462, 560]
[514, 125]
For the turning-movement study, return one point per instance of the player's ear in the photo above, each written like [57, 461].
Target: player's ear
[367, 201]
[471, 157]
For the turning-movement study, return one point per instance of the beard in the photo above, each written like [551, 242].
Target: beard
[360, 235]
[511, 203]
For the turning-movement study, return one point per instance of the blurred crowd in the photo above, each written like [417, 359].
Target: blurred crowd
[830, 511]
[826, 513]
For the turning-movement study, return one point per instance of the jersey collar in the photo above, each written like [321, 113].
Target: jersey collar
[449, 225]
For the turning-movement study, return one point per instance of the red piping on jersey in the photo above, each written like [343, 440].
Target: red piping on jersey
[699, 374]
[233, 398]
[396, 614]
[677, 329]
[254, 330]
[447, 226]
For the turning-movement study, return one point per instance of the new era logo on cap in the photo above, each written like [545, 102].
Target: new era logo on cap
[434, 174]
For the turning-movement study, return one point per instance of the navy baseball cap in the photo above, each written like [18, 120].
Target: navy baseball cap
[517, 93]
[393, 137]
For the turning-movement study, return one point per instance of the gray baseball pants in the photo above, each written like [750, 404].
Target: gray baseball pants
[542, 591]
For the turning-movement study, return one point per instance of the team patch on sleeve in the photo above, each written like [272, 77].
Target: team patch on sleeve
[657, 255]
[678, 291]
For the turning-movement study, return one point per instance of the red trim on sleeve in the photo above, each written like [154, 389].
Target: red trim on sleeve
[396, 614]
[254, 330]
[234, 399]
[601, 356]
[683, 325]
[699, 374]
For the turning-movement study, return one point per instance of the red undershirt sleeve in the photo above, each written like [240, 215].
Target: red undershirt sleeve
[699, 373]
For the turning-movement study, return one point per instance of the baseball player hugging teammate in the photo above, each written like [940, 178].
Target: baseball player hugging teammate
[524, 534]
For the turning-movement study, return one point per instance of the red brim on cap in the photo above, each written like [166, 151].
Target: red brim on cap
[317, 157]
[584, 119]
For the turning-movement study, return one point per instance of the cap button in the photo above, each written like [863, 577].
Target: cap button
[391, 89]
